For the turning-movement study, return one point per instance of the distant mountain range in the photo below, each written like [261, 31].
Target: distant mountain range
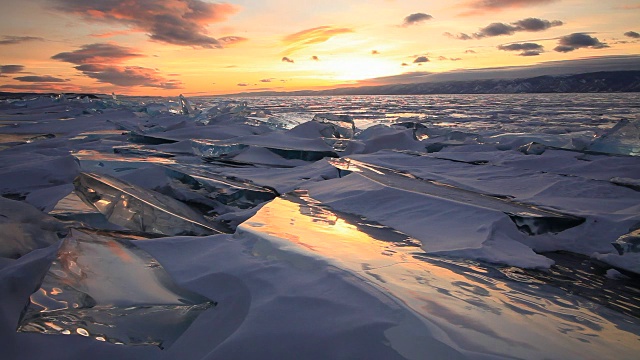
[592, 82]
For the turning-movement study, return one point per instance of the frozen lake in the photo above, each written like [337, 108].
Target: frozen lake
[378, 227]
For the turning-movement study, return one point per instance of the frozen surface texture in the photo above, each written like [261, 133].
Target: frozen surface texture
[101, 285]
[364, 227]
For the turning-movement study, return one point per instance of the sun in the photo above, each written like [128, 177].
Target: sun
[358, 68]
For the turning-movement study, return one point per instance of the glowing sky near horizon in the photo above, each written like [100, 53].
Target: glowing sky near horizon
[166, 47]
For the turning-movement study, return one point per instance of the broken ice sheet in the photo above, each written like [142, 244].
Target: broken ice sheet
[102, 286]
[139, 209]
[528, 218]
[623, 138]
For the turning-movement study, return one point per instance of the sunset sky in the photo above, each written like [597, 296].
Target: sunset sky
[167, 47]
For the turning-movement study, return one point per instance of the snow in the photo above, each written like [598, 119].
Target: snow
[414, 257]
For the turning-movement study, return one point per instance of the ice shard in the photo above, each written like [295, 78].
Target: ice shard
[74, 210]
[139, 209]
[102, 286]
[528, 218]
[227, 190]
[628, 243]
[186, 108]
[216, 149]
[623, 138]
[340, 129]
[420, 131]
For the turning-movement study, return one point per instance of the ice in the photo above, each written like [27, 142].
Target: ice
[625, 181]
[532, 148]
[420, 131]
[102, 286]
[338, 131]
[628, 243]
[623, 138]
[528, 218]
[463, 298]
[423, 254]
[186, 108]
[139, 209]
[228, 190]
[216, 149]
[24, 229]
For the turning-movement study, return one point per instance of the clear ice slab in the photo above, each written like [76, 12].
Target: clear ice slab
[623, 139]
[140, 209]
[227, 190]
[528, 218]
[102, 286]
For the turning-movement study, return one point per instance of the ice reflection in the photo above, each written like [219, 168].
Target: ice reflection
[101, 285]
[478, 306]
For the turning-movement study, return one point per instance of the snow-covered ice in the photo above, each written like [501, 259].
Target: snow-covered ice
[478, 227]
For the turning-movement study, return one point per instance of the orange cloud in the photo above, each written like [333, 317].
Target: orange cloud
[312, 36]
[178, 22]
[483, 6]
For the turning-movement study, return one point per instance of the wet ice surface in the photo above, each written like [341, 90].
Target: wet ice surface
[463, 297]
[400, 227]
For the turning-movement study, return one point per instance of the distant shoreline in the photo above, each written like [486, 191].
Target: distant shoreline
[591, 82]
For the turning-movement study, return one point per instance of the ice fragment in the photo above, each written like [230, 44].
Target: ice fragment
[101, 285]
[623, 138]
[139, 209]
[628, 243]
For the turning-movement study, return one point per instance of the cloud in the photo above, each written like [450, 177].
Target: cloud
[230, 40]
[110, 34]
[375, 52]
[101, 61]
[498, 29]
[12, 40]
[460, 36]
[11, 69]
[421, 59]
[578, 40]
[520, 47]
[535, 24]
[484, 6]
[416, 18]
[469, 51]
[286, 59]
[243, 84]
[40, 87]
[128, 76]
[37, 78]
[632, 34]
[266, 80]
[442, 58]
[312, 36]
[178, 22]
[404, 64]
[96, 54]
[528, 49]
